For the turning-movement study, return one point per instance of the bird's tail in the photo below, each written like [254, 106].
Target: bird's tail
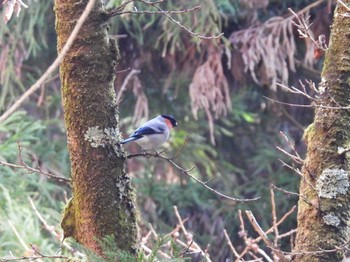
[129, 140]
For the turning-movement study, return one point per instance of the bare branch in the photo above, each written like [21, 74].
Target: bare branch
[21, 241]
[293, 157]
[292, 146]
[31, 170]
[38, 255]
[51, 229]
[263, 253]
[113, 13]
[310, 6]
[303, 28]
[189, 245]
[343, 247]
[122, 6]
[295, 90]
[187, 173]
[180, 220]
[264, 237]
[231, 245]
[343, 4]
[189, 237]
[287, 234]
[188, 30]
[123, 70]
[252, 244]
[54, 65]
[167, 13]
[278, 223]
[308, 106]
[125, 83]
[274, 215]
[296, 194]
[299, 173]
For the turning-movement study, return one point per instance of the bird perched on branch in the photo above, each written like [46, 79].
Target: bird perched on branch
[153, 133]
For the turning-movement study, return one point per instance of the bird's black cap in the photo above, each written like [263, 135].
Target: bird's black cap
[171, 119]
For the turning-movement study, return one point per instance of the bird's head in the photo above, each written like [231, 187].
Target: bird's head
[170, 120]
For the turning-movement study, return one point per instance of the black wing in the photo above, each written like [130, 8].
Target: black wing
[148, 131]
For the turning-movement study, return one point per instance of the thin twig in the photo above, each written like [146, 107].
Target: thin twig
[149, 251]
[292, 146]
[264, 236]
[188, 30]
[263, 253]
[145, 12]
[191, 244]
[111, 12]
[308, 106]
[54, 65]
[125, 83]
[23, 243]
[231, 245]
[123, 70]
[287, 234]
[41, 218]
[38, 255]
[343, 247]
[293, 157]
[274, 215]
[310, 6]
[296, 194]
[187, 173]
[252, 244]
[343, 4]
[180, 220]
[30, 170]
[292, 119]
[298, 172]
[51, 229]
[243, 234]
[278, 223]
[160, 11]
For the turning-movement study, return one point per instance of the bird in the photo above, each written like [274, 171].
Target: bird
[153, 133]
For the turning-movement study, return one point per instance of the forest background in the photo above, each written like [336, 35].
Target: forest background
[233, 129]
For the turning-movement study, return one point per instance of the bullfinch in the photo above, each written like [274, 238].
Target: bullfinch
[153, 133]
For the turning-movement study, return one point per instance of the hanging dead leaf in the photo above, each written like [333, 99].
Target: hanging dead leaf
[209, 89]
[141, 106]
[11, 6]
[271, 46]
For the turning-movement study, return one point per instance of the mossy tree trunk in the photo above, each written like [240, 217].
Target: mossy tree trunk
[102, 203]
[326, 166]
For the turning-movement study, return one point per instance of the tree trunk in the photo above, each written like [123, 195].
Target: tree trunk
[326, 167]
[103, 202]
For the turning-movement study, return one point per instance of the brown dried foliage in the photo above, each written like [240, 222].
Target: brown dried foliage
[17, 52]
[141, 106]
[209, 89]
[12, 7]
[267, 51]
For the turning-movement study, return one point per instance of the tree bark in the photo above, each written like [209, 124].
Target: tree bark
[326, 167]
[103, 201]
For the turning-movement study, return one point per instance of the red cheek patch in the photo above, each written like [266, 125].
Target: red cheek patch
[168, 123]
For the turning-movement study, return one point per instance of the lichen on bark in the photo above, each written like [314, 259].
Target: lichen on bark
[103, 198]
[325, 168]
[332, 182]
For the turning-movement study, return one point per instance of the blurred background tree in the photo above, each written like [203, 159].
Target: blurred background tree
[215, 88]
